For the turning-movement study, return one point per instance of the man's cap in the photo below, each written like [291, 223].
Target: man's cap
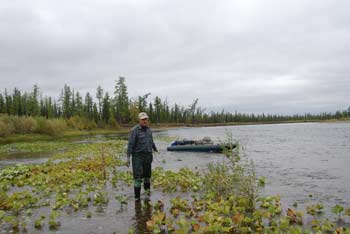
[143, 115]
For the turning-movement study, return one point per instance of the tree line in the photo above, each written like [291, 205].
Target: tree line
[119, 109]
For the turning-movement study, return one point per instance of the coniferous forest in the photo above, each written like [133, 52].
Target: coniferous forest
[34, 112]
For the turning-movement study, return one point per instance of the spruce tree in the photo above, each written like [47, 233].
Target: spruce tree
[99, 96]
[106, 108]
[2, 104]
[122, 101]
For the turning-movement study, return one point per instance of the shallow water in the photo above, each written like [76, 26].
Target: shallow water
[298, 160]
[14, 158]
[23, 158]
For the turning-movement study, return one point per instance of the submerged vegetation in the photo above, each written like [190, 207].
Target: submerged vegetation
[222, 198]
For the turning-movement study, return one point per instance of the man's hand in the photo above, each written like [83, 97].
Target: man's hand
[128, 161]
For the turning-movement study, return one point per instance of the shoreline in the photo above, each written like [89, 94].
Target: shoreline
[156, 127]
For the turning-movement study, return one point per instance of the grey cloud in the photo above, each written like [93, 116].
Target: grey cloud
[254, 56]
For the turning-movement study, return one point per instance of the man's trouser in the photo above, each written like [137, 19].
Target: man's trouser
[142, 169]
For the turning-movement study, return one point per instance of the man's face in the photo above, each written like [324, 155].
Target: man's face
[143, 122]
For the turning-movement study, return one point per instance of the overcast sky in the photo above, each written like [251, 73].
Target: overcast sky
[251, 56]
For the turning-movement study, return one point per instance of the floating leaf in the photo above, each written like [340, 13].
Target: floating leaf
[238, 218]
[175, 212]
[195, 227]
[294, 217]
[150, 224]
[347, 211]
[159, 217]
[337, 209]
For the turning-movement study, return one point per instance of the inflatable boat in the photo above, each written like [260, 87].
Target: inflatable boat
[204, 145]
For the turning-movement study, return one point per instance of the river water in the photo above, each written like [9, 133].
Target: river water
[304, 163]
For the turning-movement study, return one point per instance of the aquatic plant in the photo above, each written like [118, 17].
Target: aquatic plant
[230, 146]
[69, 181]
[35, 147]
[88, 214]
[262, 181]
[347, 211]
[122, 199]
[100, 197]
[170, 181]
[12, 172]
[228, 202]
[316, 209]
[53, 223]
[222, 198]
[338, 210]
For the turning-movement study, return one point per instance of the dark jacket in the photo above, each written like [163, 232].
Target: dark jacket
[140, 140]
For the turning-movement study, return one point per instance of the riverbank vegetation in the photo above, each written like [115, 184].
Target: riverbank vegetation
[23, 112]
[84, 178]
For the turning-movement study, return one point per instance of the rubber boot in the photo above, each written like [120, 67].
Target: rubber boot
[137, 192]
[147, 187]
[138, 207]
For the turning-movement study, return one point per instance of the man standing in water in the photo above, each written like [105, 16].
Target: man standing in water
[140, 146]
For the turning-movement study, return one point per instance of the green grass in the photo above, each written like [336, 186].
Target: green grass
[66, 135]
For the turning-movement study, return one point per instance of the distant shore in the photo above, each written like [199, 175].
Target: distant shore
[125, 129]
